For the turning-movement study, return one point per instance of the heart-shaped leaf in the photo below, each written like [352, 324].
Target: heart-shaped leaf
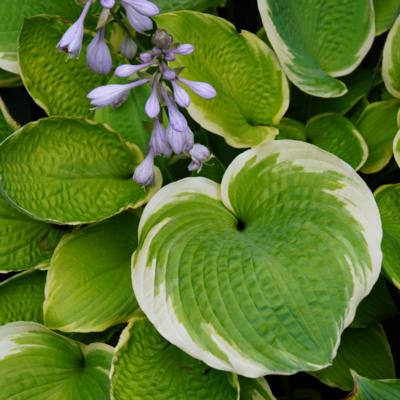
[146, 366]
[365, 351]
[261, 274]
[36, 363]
[88, 288]
[22, 296]
[317, 41]
[337, 134]
[70, 171]
[24, 242]
[252, 91]
[368, 389]
[58, 85]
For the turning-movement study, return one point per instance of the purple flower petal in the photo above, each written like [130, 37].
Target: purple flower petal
[125, 70]
[112, 94]
[144, 172]
[194, 166]
[184, 49]
[176, 118]
[202, 89]
[139, 22]
[153, 105]
[158, 142]
[181, 96]
[128, 48]
[107, 3]
[188, 139]
[98, 55]
[200, 153]
[169, 73]
[144, 7]
[175, 139]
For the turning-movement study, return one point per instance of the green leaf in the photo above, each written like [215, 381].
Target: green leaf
[337, 134]
[378, 126]
[386, 12]
[196, 5]
[12, 14]
[376, 307]
[37, 364]
[291, 129]
[24, 242]
[7, 124]
[261, 274]
[255, 389]
[22, 296]
[70, 171]
[365, 351]
[391, 60]
[8, 79]
[388, 199]
[129, 119]
[252, 91]
[317, 41]
[91, 268]
[57, 84]
[146, 366]
[368, 389]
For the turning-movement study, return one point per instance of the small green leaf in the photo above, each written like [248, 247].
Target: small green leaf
[378, 126]
[388, 199]
[24, 242]
[291, 129]
[146, 366]
[12, 14]
[337, 134]
[285, 248]
[22, 296]
[386, 12]
[195, 5]
[57, 84]
[363, 350]
[129, 119]
[318, 41]
[91, 268]
[37, 364]
[70, 171]
[252, 91]
[368, 389]
[255, 389]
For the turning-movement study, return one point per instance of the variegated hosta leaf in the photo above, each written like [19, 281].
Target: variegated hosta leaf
[261, 274]
[88, 287]
[146, 366]
[386, 12]
[57, 84]
[8, 79]
[70, 171]
[337, 134]
[317, 41]
[37, 364]
[378, 126]
[365, 351]
[22, 296]
[24, 242]
[388, 199]
[391, 60]
[7, 123]
[252, 91]
[368, 389]
[255, 389]
[291, 129]
[197, 5]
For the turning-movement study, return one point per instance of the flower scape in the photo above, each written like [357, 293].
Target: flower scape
[199, 200]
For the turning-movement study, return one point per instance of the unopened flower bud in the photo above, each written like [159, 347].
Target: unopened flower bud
[162, 39]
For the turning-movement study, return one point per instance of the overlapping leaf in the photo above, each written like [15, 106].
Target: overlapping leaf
[368, 389]
[261, 274]
[391, 60]
[252, 90]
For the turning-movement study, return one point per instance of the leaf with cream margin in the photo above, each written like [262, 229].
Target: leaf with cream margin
[233, 274]
[7, 123]
[37, 364]
[317, 41]
[391, 60]
[368, 389]
[71, 171]
[252, 91]
[289, 128]
[255, 389]
[386, 12]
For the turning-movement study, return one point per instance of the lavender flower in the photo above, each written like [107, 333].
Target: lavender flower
[128, 48]
[175, 139]
[176, 118]
[200, 154]
[144, 172]
[202, 89]
[138, 13]
[112, 94]
[98, 56]
[71, 41]
[153, 105]
[158, 142]
[107, 3]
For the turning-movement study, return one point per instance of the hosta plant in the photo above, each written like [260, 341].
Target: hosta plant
[199, 199]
